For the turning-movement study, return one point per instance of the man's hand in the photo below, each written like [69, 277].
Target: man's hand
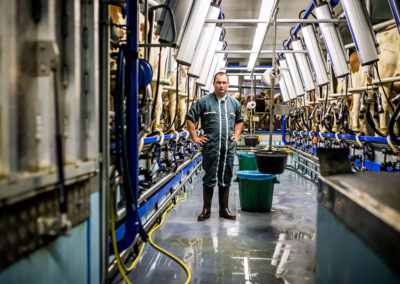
[202, 140]
[235, 137]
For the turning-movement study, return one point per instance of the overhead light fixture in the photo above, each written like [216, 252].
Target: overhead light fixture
[315, 54]
[332, 40]
[287, 78]
[204, 42]
[181, 11]
[215, 44]
[364, 38]
[213, 70]
[192, 32]
[267, 7]
[395, 7]
[294, 72]
[284, 91]
[219, 64]
[304, 65]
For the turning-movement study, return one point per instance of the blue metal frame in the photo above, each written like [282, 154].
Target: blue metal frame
[132, 224]
[395, 7]
[297, 28]
[345, 136]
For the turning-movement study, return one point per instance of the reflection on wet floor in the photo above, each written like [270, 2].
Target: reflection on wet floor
[275, 247]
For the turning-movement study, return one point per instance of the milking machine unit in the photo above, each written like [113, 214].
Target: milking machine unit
[324, 120]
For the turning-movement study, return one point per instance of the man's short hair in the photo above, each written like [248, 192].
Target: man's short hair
[220, 73]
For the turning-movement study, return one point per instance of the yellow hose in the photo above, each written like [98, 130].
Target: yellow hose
[116, 253]
[189, 276]
[121, 266]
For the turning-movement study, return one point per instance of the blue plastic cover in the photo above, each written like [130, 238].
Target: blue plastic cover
[245, 154]
[254, 175]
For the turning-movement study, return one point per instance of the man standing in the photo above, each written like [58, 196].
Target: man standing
[222, 122]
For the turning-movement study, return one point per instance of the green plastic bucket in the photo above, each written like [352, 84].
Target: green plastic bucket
[247, 161]
[256, 190]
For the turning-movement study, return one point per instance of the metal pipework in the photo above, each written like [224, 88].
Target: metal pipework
[369, 87]
[345, 136]
[304, 165]
[274, 68]
[253, 22]
[262, 51]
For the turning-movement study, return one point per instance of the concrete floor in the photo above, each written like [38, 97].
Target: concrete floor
[243, 251]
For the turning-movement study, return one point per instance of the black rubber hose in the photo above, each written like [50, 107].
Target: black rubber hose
[59, 149]
[371, 122]
[118, 108]
[304, 120]
[157, 83]
[380, 81]
[391, 126]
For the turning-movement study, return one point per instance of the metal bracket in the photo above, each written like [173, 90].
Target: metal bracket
[47, 56]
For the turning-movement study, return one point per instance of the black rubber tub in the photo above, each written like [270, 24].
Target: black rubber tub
[251, 140]
[271, 162]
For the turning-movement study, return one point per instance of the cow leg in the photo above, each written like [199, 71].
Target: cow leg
[182, 109]
[172, 108]
[158, 107]
[386, 108]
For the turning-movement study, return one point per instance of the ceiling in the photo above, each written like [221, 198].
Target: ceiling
[241, 37]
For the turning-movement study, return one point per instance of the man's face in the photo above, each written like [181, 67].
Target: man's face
[221, 84]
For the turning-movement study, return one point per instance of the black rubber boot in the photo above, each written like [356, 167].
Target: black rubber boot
[207, 198]
[224, 212]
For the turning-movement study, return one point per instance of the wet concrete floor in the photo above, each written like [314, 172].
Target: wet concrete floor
[275, 247]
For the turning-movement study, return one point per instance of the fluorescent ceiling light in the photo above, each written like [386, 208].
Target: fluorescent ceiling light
[265, 15]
